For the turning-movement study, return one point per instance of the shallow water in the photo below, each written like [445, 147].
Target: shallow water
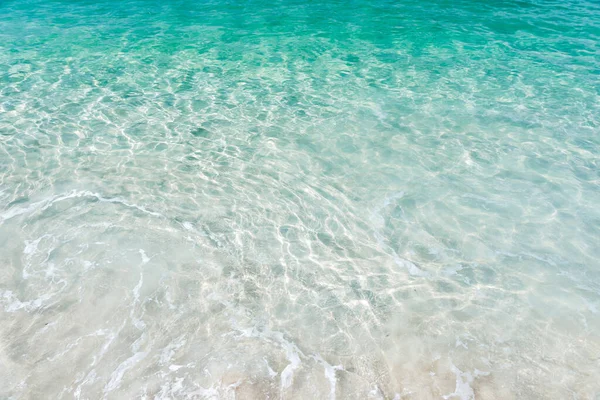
[299, 199]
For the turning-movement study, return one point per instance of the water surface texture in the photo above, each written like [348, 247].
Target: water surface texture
[299, 199]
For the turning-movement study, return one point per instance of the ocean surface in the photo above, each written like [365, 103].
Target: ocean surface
[300, 199]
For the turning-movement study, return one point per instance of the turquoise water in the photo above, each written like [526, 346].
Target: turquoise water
[297, 199]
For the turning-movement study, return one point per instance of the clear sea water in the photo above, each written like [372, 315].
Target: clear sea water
[300, 199]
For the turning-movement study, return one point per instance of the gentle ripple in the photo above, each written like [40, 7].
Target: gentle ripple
[293, 199]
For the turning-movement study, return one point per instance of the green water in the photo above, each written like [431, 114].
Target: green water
[298, 199]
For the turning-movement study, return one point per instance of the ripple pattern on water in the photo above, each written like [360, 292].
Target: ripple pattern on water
[291, 200]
